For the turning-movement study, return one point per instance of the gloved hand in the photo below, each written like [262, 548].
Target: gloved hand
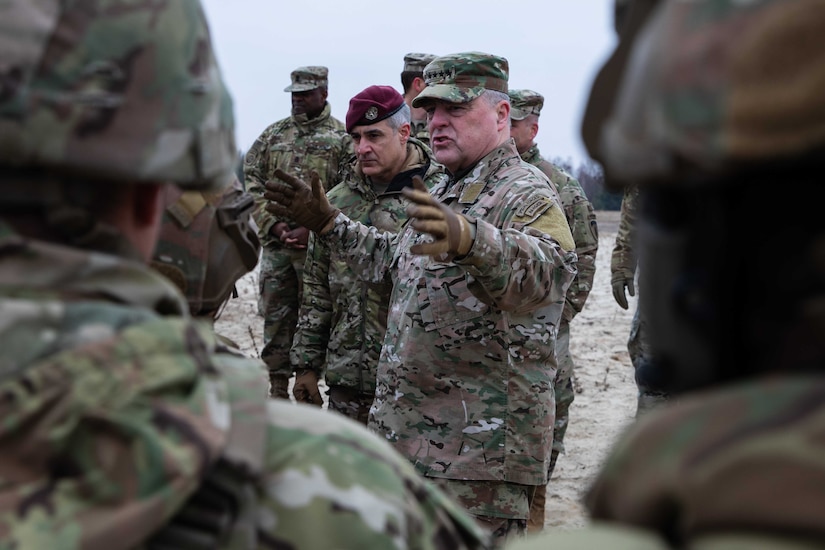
[620, 281]
[278, 386]
[293, 198]
[452, 232]
[306, 389]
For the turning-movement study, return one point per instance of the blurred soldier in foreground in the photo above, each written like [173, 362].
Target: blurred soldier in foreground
[465, 378]
[412, 82]
[208, 240]
[125, 422]
[712, 105]
[343, 319]
[309, 139]
[524, 126]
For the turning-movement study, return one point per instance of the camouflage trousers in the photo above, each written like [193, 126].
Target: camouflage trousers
[351, 402]
[280, 288]
[648, 380]
[563, 390]
[498, 507]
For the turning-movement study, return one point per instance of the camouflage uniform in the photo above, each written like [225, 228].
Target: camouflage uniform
[623, 265]
[582, 220]
[125, 423]
[703, 107]
[343, 320]
[298, 145]
[470, 343]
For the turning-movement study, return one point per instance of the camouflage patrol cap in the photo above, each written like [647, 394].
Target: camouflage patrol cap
[305, 79]
[710, 85]
[132, 95]
[462, 77]
[524, 103]
[415, 62]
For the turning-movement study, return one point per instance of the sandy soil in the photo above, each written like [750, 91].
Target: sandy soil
[606, 394]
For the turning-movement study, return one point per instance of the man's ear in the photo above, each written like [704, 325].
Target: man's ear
[404, 131]
[503, 115]
[149, 203]
[418, 84]
[534, 129]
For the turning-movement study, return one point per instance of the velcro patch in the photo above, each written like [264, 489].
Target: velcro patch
[531, 208]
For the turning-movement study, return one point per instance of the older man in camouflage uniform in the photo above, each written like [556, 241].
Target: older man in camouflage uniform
[343, 319]
[412, 82]
[709, 105]
[465, 377]
[309, 139]
[525, 111]
[126, 424]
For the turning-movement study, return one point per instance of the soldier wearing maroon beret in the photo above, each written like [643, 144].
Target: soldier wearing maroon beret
[342, 319]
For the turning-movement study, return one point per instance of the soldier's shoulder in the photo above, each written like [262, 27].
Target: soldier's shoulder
[326, 456]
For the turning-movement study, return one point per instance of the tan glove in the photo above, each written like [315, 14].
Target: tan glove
[306, 389]
[292, 198]
[452, 232]
[620, 281]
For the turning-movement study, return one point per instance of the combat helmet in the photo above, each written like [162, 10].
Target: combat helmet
[708, 85]
[114, 90]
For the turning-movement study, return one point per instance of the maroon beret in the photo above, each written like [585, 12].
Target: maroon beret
[372, 105]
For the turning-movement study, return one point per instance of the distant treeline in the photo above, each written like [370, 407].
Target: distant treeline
[589, 174]
[591, 178]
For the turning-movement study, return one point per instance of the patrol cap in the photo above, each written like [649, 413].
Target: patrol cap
[415, 62]
[305, 79]
[462, 77]
[524, 103]
[373, 104]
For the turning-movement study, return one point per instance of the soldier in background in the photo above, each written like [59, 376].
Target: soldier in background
[465, 379]
[525, 111]
[309, 139]
[623, 264]
[412, 82]
[710, 107]
[126, 423]
[343, 319]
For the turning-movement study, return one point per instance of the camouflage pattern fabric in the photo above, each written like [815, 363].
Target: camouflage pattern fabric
[420, 131]
[117, 405]
[623, 264]
[462, 77]
[343, 320]
[470, 343]
[296, 145]
[733, 97]
[582, 221]
[704, 460]
[207, 242]
[120, 93]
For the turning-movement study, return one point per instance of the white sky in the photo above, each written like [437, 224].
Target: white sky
[553, 46]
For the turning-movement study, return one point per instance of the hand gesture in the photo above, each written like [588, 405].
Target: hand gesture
[451, 230]
[292, 198]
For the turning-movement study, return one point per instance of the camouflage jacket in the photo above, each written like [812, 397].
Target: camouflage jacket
[624, 260]
[118, 407]
[343, 319]
[297, 146]
[735, 468]
[420, 131]
[465, 377]
[582, 220]
[739, 467]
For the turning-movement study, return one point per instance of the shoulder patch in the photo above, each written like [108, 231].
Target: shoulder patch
[532, 207]
[471, 193]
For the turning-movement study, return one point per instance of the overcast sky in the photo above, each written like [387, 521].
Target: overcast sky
[553, 46]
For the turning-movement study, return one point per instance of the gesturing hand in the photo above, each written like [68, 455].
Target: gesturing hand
[450, 230]
[292, 198]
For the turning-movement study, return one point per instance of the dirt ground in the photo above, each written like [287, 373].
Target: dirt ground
[606, 394]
